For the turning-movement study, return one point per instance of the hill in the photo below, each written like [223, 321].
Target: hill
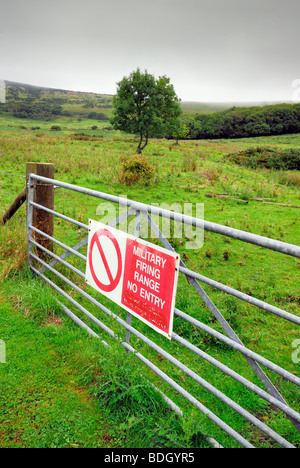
[27, 101]
[193, 107]
[34, 102]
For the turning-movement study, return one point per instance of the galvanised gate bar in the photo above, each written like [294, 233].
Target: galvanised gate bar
[39, 254]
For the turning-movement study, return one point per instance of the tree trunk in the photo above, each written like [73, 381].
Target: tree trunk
[139, 150]
[145, 144]
[142, 145]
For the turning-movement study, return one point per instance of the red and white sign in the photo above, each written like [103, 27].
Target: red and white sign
[137, 275]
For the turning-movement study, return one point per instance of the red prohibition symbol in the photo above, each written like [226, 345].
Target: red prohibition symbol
[96, 242]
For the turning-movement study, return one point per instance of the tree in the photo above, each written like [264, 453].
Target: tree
[180, 130]
[145, 106]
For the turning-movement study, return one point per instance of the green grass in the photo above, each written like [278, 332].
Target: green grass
[182, 173]
[68, 126]
[61, 388]
[42, 402]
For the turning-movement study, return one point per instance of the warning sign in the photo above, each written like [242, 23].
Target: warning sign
[137, 275]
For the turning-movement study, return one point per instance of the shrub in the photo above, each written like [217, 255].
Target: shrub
[288, 160]
[136, 169]
[98, 116]
[55, 128]
[20, 114]
[268, 158]
[84, 137]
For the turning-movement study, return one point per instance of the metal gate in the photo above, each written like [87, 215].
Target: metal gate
[38, 257]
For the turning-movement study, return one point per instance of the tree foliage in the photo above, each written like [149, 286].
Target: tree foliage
[240, 122]
[145, 106]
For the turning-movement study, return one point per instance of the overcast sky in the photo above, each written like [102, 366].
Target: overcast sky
[212, 50]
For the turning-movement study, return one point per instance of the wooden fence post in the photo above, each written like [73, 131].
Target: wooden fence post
[43, 195]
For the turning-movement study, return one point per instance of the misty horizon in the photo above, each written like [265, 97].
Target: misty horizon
[9, 81]
[212, 51]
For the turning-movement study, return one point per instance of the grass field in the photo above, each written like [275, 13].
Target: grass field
[63, 389]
